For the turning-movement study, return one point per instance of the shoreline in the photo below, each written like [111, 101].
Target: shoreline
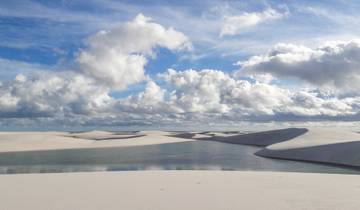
[334, 148]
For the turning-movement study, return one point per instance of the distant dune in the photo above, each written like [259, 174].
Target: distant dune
[31, 141]
[319, 145]
[263, 138]
[333, 146]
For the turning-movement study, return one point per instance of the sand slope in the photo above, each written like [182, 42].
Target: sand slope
[263, 138]
[319, 145]
[178, 190]
[30, 141]
[333, 146]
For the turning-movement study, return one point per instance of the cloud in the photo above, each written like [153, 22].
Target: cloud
[189, 96]
[11, 68]
[47, 94]
[117, 57]
[151, 101]
[233, 25]
[213, 91]
[197, 91]
[113, 60]
[334, 65]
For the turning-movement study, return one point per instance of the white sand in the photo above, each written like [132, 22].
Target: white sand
[179, 190]
[319, 145]
[185, 189]
[261, 138]
[318, 137]
[30, 141]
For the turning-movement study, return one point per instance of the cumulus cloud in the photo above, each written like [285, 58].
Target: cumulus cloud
[151, 100]
[117, 57]
[113, 60]
[334, 65]
[213, 91]
[197, 91]
[48, 94]
[236, 24]
[188, 96]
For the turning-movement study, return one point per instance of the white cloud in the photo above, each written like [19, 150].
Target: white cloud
[151, 100]
[113, 60]
[117, 57]
[11, 68]
[236, 24]
[312, 104]
[335, 65]
[213, 92]
[189, 96]
[46, 94]
[197, 91]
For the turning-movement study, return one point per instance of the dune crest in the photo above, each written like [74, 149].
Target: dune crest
[34, 141]
[319, 145]
[331, 146]
[263, 138]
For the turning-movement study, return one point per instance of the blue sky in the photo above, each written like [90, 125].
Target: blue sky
[52, 32]
[51, 36]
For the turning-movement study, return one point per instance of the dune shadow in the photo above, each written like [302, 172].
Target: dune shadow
[108, 138]
[183, 135]
[125, 132]
[263, 138]
[339, 154]
[119, 137]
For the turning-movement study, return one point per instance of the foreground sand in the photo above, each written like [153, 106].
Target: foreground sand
[179, 190]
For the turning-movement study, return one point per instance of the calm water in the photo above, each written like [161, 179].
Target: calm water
[199, 155]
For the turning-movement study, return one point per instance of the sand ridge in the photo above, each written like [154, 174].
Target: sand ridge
[333, 146]
[262, 138]
[319, 145]
[32, 141]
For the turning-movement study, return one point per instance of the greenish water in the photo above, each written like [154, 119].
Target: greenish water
[198, 155]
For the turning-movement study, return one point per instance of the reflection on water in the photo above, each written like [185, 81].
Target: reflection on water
[196, 155]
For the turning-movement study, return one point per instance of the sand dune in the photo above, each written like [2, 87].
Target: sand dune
[103, 135]
[188, 189]
[332, 146]
[263, 138]
[163, 190]
[30, 141]
[319, 145]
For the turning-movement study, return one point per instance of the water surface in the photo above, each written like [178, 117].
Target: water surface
[197, 155]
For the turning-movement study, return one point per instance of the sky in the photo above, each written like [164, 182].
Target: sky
[210, 64]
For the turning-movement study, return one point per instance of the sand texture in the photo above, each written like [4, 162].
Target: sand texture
[31, 141]
[319, 145]
[178, 190]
